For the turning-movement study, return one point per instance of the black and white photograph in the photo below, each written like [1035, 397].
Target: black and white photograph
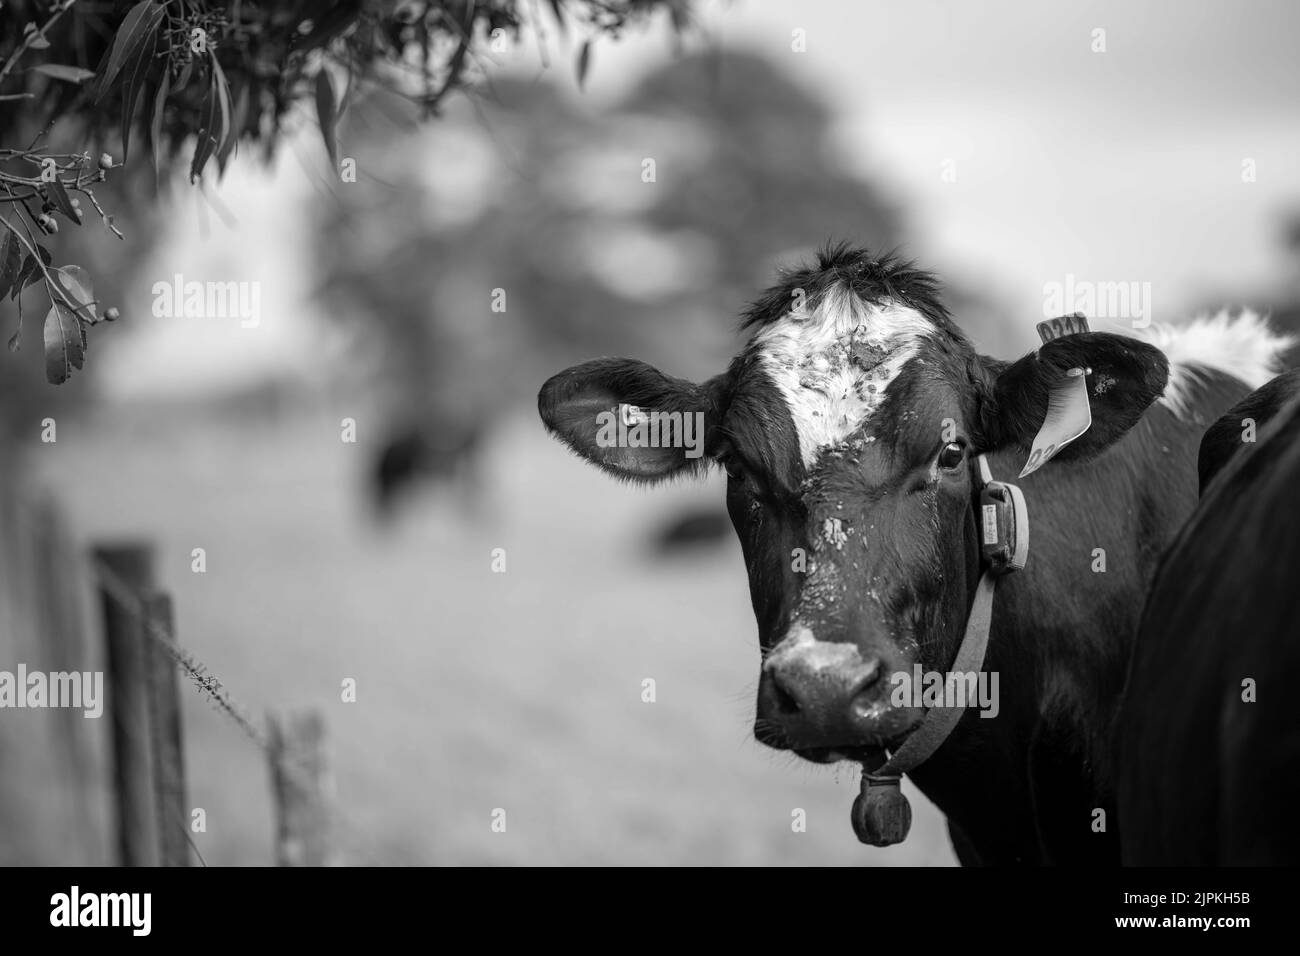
[650, 433]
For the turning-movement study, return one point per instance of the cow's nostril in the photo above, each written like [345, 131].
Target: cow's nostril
[786, 702]
[865, 697]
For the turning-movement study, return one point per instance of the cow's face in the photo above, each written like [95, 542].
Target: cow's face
[847, 427]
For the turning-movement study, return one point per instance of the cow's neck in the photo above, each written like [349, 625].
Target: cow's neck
[1026, 786]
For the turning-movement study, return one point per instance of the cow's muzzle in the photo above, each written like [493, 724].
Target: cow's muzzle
[827, 699]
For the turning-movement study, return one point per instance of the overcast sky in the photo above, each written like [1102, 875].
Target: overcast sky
[1117, 165]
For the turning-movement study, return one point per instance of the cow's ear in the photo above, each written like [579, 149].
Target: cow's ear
[631, 419]
[1122, 375]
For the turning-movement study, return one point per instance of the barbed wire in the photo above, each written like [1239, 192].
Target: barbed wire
[198, 672]
[351, 841]
[128, 599]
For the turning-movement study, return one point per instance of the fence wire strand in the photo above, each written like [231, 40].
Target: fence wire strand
[196, 670]
[125, 596]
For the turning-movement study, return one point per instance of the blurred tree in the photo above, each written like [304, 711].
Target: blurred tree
[550, 233]
[1279, 303]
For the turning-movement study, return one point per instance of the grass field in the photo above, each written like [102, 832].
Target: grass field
[476, 690]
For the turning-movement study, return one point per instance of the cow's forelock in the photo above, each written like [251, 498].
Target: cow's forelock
[833, 364]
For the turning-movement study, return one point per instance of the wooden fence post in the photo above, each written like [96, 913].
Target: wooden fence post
[165, 736]
[300, 777]
[59, 567]
[128, 701]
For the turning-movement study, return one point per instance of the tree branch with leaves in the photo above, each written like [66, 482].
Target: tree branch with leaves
[209, 77]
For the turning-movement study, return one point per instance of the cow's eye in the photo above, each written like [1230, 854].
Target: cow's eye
[952, 455]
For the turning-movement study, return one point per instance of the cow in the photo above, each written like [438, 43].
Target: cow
[1207, 735]
[1239, 426]
[442, 450]
[694, 528]
[849, 427]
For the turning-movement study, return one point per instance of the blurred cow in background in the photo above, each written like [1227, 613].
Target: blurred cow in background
[444, 452]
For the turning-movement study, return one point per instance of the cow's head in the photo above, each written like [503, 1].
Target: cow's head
[847, 426]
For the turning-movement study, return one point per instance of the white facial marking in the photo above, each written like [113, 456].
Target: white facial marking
[832, 366]
[833, 533]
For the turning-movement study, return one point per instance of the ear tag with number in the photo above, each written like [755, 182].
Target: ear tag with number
[1068, 412]
[1072, 324]
[632, 415]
